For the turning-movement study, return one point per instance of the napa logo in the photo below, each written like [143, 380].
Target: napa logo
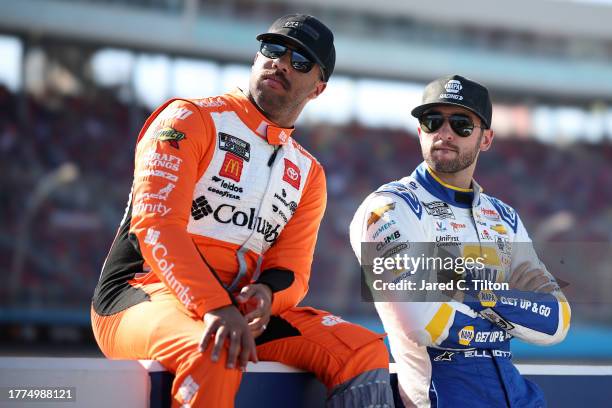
[466, 335]
[487, 298]
[453, 86]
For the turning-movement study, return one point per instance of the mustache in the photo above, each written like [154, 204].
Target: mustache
[444, 146]
[277, 76]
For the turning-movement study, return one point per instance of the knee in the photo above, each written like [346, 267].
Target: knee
[197, 372]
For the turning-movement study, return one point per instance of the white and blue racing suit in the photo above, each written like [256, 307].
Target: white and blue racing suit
[452, 353]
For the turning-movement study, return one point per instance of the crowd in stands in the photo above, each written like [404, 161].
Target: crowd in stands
[561, 193]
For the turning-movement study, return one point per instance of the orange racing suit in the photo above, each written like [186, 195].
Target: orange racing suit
[222, 198]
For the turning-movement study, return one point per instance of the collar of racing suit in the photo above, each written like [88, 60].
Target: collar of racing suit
[254, 119]
[458, 197]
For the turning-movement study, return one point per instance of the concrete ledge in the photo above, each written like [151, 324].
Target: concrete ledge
[106, 383]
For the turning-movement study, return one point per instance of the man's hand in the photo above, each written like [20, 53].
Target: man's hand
[226, 323]
[527, 278]
[256, 303]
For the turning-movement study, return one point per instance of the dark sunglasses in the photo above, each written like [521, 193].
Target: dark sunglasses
[462, 125]
[298, 61]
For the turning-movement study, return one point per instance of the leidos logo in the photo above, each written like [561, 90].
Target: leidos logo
[229, 214]
[231, 167]
[466, 335]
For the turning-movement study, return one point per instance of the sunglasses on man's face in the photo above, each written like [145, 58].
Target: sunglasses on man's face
[298, 61]
[461, 124]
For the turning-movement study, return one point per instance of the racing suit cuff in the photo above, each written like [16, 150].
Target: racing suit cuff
[276, 279]
[212, 303]
[478, 300]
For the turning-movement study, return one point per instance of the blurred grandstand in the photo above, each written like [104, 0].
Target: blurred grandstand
[86, 76]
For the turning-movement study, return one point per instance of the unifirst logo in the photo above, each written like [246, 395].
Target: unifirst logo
[160, 252]
[453, 86]
[466, 335]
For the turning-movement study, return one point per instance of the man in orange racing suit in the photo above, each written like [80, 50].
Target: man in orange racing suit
[215, 248]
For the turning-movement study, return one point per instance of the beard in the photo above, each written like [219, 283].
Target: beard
[461, 162]
[267, 99]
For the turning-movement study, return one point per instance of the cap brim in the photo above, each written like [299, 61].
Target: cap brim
[419, 110]
[291, 41]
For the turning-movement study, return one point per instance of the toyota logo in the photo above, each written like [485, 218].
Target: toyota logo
[292, 174]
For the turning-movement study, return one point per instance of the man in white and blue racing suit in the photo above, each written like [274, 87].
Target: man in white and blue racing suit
[456, 351]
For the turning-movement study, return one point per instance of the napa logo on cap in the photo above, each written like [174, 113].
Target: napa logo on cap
[453, 90]
[466, 335]
[453, 86]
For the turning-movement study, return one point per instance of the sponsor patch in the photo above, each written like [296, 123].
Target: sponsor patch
[235, 146]
[151, 237]
[279, 212]
[200, 208]
[292, 174]
[457, 227]
[331, 320]
[378, 213]
[162, 160]
[500, 229]
[453, 86]
[210, 103]
[446, 356]
[504, 245]
[492, 316]
[447, 238]
[231, 167]
[394, 236]
[162, 194]
[383, 228]
[151, 208]
[240, 217]
[157, 173]
[506, 213]
[188, 389]
[487, 298]
[291, 205]
[485, 235]
[396, 249]
[170, 135]
[466, 335]
[225, 189]
[490, 214]
[439, 209]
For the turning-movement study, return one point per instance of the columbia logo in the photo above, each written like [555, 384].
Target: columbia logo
[200, 208]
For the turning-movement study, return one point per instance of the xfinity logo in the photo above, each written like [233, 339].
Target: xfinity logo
[229, 214]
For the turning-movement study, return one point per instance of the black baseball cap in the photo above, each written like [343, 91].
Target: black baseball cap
[307, 33]
[458, 91]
